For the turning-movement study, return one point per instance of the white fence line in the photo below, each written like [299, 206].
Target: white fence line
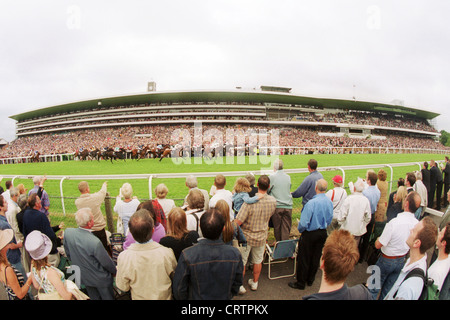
[152, 176]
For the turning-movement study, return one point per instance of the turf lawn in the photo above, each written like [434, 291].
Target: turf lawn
[176, 186]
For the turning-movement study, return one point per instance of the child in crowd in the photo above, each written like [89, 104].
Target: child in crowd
[240, 194]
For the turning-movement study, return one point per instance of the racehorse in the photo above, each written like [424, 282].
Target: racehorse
[165, 153]
[121, 154]
[95, 154]
[35, 157]
[109, 154]
[81, 155]
[139, 154]
[154, 152]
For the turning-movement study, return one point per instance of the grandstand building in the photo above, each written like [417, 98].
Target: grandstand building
[271, 106]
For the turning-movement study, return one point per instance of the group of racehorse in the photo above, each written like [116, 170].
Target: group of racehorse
[121, 154]
[160, 152]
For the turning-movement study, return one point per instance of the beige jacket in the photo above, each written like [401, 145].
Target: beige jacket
[146, 270]
[94, 201]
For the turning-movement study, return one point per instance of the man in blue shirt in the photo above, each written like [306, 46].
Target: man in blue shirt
[373, 194]
[45, 201]
[315, 218]
[307, 190]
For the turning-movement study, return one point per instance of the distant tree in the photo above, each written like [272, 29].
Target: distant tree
[445, 138]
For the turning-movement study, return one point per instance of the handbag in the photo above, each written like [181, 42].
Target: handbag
[48, 296]
[76, 292]
[70, 286]
[42, 295]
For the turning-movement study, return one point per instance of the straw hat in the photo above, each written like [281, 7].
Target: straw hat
[38, 245]
[5, 237]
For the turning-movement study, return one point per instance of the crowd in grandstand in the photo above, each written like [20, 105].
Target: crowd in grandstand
[274, 112]
[369, 119]
[133, 137]
[200, 250]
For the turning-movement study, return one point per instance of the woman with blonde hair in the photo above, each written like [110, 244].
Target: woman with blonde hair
[195, 210]
[45, 277]
[12, 279]
[232, 233]
[383, 186]
[125, 208]
[240, 194]
[161, 192]
[178, 237]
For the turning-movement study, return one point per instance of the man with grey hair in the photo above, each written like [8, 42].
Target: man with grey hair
[316, 216]
[86, 251]
[355, 212]
[38, 182]
[192, 183]
[280, 189]
[420, 188]
[13, 210]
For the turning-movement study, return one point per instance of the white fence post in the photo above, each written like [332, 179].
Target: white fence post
[150, 187]
[62, 195]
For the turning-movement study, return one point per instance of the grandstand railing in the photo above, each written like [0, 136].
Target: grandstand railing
[150, 177]
[291, 150]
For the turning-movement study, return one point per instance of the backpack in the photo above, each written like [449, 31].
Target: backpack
[430, 291]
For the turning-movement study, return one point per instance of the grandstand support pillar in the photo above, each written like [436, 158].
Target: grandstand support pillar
[150, 187]
[62, 195]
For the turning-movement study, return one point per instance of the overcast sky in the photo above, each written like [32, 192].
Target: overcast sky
[54, 52]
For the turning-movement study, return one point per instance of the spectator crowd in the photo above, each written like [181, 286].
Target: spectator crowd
[202, 249]
[133, 137]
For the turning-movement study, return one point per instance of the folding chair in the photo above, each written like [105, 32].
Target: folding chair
[280, 253]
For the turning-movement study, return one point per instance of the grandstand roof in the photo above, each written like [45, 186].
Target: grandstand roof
[223, 96]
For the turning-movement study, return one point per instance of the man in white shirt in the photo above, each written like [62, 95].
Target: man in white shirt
[394, 248]
[420, 188]
[222, 194]
[6, 194]
[11, 213]
[440, 267]
[422, 237]
[355, 212]
[337, 195]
